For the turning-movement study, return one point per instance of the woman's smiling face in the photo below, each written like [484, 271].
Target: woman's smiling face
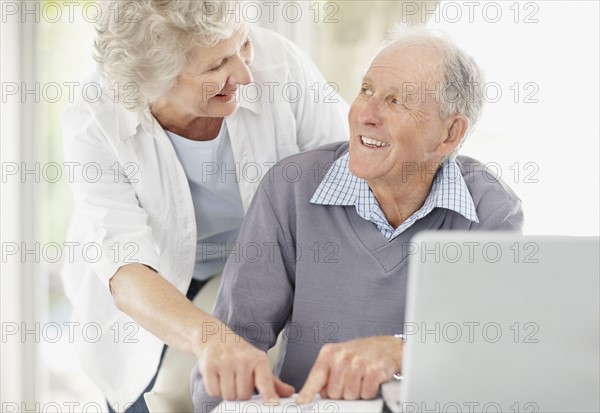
[207, 85]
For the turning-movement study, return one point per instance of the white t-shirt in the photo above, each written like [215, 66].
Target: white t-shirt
[211, 173]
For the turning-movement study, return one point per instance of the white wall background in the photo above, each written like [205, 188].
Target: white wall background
[547, 149]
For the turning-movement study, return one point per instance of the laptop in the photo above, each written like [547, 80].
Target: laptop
[501, 322]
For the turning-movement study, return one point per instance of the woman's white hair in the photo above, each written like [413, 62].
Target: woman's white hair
[462, 80]
[143, 45]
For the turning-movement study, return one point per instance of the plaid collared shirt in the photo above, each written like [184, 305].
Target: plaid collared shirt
[340, 187]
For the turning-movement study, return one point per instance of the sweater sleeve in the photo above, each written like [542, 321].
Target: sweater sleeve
[499, 209]
[258, 277]
[507, 216]
[498, 206]
[257, 289]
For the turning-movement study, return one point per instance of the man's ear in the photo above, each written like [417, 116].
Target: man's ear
[455, 133]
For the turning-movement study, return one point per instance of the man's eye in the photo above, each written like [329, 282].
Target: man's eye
[366, 91]
[399, 101]
[246, 44]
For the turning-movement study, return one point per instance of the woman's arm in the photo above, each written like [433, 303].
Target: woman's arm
[159, 307]
[231, 367]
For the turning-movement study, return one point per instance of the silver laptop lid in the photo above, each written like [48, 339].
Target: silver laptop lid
[502, 322]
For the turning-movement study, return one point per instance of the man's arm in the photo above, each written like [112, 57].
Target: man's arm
[498, 206]
[507, 216]
[257, 290]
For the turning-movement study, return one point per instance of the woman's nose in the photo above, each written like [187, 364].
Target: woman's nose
[241, 74]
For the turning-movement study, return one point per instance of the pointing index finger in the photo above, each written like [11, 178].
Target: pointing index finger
[263, 380]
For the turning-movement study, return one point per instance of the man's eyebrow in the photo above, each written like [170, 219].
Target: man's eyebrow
[392, 89]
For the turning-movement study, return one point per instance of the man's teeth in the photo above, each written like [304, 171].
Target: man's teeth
[373, 142]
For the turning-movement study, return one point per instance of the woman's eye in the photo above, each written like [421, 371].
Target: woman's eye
[214, 69]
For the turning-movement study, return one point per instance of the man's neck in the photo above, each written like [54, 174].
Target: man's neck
[399, 200]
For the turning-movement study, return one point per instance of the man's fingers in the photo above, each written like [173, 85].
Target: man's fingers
[283, 389]
[371, 381]
[314, 383]
[337, 376]
[323, 393]
[263, 380]
[352, 385]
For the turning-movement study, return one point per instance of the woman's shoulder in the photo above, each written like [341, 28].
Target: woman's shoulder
[273, 51]
[98, 93]
[97, 109]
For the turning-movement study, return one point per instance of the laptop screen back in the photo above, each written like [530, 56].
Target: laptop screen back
[502, 322]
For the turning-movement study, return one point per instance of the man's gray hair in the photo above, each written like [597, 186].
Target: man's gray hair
[462, 81]
[143, 45]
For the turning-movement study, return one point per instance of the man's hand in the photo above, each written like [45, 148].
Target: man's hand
[353, 370]
[232, 368]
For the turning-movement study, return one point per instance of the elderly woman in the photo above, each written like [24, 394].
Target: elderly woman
[173, 149]
[339, 295]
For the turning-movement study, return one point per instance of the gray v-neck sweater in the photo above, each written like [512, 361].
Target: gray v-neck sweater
[323, 274]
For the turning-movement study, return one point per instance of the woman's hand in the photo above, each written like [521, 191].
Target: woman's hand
[232, 368]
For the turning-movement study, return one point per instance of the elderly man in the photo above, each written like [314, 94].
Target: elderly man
[334, 224]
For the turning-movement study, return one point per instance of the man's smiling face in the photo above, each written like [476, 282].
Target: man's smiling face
[395, 125]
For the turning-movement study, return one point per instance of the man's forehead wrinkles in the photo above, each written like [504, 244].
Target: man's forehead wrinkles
[401, 75]
[393, 77]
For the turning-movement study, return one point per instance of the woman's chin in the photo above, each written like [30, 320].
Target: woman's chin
[221, 108]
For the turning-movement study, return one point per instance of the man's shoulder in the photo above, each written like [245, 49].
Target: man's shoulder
[304, 171]
[325, 153]
[485, 183]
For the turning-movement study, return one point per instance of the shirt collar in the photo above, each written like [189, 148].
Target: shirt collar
[244, 95]
[340, 187]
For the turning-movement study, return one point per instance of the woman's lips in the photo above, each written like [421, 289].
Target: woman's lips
[226, 96]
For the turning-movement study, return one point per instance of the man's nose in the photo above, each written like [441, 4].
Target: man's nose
[370, 113]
